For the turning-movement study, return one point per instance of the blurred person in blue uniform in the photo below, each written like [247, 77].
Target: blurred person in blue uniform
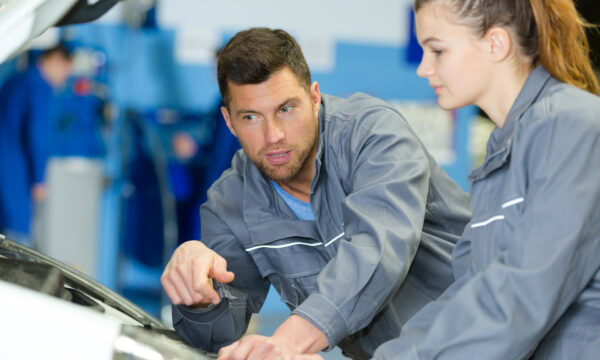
[26, 110]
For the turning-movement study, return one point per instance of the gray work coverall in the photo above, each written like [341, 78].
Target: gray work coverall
[533, 246]
[382, 206]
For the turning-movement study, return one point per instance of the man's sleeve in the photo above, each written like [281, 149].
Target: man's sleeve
[505, 310]
[383, 218]
[219, 325]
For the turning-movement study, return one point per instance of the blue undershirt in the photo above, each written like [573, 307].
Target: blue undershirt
[301, 209]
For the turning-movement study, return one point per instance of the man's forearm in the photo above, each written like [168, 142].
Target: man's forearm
[301, 336]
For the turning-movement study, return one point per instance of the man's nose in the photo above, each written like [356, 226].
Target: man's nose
[274, 131]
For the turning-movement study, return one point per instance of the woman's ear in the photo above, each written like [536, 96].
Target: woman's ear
[499, 42]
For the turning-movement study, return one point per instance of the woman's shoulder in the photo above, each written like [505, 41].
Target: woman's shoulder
[563, 122]
[564, 105]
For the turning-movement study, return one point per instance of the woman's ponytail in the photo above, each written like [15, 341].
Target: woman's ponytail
[563, 46]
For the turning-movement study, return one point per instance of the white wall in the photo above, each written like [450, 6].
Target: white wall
[370, 21]
[316, 24]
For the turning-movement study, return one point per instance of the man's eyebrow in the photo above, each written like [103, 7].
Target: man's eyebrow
[250, 111]
[246, 111]
[288, 100]
[429, 39]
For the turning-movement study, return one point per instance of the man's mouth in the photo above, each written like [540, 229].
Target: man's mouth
[278, 157]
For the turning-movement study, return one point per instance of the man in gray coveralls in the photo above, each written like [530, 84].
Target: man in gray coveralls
[335, 202]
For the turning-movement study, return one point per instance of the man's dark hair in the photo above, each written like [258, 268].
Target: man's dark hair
[59, 49]
[253, 55]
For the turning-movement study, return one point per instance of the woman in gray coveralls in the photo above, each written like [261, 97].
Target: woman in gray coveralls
[527, 266]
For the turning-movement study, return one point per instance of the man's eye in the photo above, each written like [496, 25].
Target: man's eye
[249, 117]
[286, 109]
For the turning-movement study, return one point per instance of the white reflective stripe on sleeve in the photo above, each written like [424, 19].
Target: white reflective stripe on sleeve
[484, 223]
[282, 245]
[334, 239]
[294, 243]
[512, 202]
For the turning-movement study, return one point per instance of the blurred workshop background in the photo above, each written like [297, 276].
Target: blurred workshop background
[136, 135]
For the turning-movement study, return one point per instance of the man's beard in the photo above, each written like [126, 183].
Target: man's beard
[283, 173]
[289, 171]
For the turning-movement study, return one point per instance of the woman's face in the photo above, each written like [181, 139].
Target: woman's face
[455, 60]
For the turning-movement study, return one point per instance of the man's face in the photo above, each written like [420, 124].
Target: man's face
[276, 123]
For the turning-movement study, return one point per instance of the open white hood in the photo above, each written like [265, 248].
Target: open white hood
[23, 20]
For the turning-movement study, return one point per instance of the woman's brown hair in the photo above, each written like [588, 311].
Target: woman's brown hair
[563, 46]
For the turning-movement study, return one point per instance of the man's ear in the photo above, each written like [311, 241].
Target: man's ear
[315, 96]
[225, 114]
[500, 43]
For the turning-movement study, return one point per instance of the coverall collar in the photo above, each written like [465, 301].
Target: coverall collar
[320, 145]
[499, 144]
